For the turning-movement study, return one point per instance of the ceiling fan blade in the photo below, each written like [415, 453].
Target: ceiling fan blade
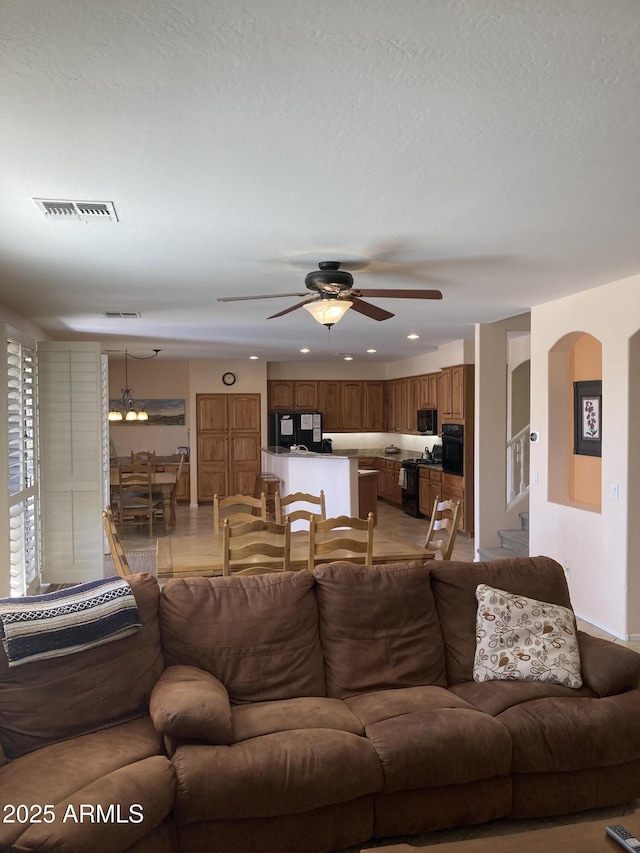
[398, 294]
[292, 308]
[369, 310]
[264, 296]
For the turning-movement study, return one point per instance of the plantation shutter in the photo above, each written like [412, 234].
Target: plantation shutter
[71, 385]
[22, 469]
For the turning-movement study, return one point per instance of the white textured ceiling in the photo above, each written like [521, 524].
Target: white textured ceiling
[488, 148]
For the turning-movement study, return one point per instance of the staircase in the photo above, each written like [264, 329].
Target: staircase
[514, 543]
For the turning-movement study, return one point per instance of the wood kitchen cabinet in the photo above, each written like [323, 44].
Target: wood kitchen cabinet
[352, 407]
[455, 393]
[453, 489]
[389, 488]
[330, 406]
[428, 391]
[229, 445]
[367, 463]
[374, 407]
[430, 486]
[305, 395]
[280, 395]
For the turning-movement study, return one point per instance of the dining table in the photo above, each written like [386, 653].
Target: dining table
[200, 555]
[163, 482]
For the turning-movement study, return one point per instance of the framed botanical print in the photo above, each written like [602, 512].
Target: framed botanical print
[587, 418]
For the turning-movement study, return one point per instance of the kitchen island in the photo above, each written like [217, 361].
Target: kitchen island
[298, 471]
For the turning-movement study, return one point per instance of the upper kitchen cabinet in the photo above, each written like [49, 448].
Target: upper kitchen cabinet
[352, 405]
[455, 393]
[305, 395]
[291, 394]
[329, 405]
[428, 391]
[374, 407]
[281, 394]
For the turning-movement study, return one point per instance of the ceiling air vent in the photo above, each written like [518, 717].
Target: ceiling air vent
[85, 211]
[122, 315]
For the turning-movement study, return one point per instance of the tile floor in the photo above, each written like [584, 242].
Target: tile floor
[396, 521]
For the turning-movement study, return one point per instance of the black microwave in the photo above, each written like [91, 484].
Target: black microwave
[428, 421]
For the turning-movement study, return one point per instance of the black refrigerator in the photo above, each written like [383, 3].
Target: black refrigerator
[288, 428]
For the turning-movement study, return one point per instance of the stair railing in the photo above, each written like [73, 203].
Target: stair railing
[518, 464]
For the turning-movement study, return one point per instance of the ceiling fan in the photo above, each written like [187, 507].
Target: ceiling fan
[335, 294]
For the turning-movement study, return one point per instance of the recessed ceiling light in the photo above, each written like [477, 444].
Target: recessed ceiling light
[348, 358]
[254, 357]
[305, 349]
[413, 337]
[372, 350]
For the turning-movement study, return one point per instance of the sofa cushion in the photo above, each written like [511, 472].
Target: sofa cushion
[378, 627]
[427, 737]
[257, 634]
[67, 772]
[561, 734]
[523, 639]
[277, 774]
[309, 712]
[494, 697]
[51, 700]
[454, 589]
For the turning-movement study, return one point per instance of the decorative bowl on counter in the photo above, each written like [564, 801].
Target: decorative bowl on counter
[391, 448]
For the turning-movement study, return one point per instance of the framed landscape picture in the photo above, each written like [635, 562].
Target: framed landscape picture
[587, 418]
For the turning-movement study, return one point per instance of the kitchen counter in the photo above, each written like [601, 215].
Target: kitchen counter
[376, 453]
[285, 453]
[333, 473]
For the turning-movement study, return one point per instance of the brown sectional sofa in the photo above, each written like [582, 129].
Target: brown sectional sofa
[300, 713]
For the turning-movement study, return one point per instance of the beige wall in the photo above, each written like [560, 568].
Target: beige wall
[600, 548]
[457, 352]
[585, 472]
[158, 378]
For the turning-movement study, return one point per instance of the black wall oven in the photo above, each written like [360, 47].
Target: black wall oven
[453, 449]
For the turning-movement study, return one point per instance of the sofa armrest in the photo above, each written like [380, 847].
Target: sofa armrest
[188, 702]
[608, 668]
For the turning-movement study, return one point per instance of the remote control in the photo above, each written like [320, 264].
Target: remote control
[624, 838]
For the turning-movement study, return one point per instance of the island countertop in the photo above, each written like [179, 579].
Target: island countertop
[283, 452]
[332, 473]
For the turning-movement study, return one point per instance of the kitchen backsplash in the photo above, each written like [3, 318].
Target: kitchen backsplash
[379, 440]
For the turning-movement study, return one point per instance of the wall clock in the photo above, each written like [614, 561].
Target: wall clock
[228, 378]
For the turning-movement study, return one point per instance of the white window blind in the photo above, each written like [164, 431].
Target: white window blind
[72, 423]
[23, 480]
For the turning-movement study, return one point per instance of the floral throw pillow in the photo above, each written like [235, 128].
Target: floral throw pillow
[521, 639]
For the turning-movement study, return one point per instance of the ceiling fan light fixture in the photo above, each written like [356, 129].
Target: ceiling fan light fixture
[328, 311]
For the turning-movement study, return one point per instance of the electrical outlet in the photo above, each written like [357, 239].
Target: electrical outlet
[567, 569]
[534, 478]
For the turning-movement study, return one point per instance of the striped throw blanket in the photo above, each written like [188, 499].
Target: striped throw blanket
[70, 620]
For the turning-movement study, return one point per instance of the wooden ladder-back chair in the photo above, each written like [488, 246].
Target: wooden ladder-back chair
[158, 498]
[261, 538]
[343, 540]
[283, 504]
[115, 545]
[443, 528]
[143, 457]
[244, 508]
[134, 499]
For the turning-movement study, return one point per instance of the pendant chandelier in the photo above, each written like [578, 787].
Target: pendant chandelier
[128, 409]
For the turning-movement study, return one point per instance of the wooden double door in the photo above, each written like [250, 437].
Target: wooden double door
[229, 444]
